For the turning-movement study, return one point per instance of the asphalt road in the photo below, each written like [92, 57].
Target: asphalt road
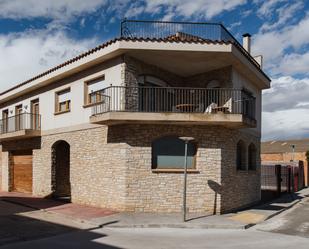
[292, 222]
[160, 238]
[25, 228]
[19, 223]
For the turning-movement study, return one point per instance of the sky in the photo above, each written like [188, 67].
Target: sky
[36, 35]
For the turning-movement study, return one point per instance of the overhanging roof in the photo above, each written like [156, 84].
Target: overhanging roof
[118, 46]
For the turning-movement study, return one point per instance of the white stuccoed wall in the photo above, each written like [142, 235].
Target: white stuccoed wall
[78, 114]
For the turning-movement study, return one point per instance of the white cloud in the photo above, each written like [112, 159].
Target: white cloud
[277, 44]
[285, 124]
[54, 9]
[27, 54]
[285, 13]
[197, 8]
[266, 8]
[294, 64]
[286, 109]
[67, 9]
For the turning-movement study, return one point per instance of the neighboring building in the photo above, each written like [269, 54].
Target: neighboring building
[103, 128]
[285, 151]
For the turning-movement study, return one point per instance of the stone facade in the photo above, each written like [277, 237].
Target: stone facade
[111, 167]
[133, 68]
[216, 186]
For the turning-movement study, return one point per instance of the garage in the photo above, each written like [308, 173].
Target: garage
[21, 168]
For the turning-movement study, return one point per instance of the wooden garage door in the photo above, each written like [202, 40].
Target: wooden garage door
[22, 171]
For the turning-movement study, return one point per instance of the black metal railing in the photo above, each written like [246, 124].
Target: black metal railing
[175, 100]
[187, 30]
[163, 30]
[23, 121]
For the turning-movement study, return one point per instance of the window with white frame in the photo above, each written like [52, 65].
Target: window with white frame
[94, 90]
[63, 101]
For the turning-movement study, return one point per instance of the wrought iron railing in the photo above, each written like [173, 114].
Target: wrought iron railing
[163, 30]
[23, 121]
[176, 100]
[168, 30]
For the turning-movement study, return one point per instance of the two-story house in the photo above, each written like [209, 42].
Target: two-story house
[104, 128]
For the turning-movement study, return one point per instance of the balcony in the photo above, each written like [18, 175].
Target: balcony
[181, 31]
[168, 30]
[157, 105]
[24, 125]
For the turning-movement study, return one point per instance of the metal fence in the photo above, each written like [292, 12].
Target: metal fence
[163, 30]
[175, 99]
[277, 179]
[19, 122]
[167, 30]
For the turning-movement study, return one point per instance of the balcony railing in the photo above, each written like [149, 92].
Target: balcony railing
[193, 31]
[176, 100]
[23, 121]
[166, 30]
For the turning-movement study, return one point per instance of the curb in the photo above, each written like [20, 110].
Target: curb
[188, 225]
[283, 209]
[181, 226]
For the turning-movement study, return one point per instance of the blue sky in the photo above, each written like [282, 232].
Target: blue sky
[36, 35]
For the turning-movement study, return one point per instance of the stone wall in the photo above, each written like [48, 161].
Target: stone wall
[223, 76]
[111, 167]
[216, 186]
[96, 168]
[134, 68]
[240, 188]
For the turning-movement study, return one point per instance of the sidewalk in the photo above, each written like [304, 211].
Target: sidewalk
[239, 220]
[99, 217]
[81, 213]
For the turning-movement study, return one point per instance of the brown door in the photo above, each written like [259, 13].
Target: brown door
[5, 115]
[18, 117]
[35, 118]
[21, 166]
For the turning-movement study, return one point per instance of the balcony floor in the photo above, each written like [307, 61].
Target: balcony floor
[21, 134]
[228, 120]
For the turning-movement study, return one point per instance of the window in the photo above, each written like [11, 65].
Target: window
[63, 101]
[94, 90]
[241, 155]
[252, 157]
[168, 153]
[150, 99]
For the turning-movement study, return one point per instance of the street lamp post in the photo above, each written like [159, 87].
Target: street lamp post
[293, 151]
[184, 203]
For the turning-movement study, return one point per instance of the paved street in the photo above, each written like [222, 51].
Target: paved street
[19, 223]
[143, 238]
[292, 222]
[23, 227]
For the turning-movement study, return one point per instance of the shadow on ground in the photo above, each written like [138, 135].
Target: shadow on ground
[16, 226]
